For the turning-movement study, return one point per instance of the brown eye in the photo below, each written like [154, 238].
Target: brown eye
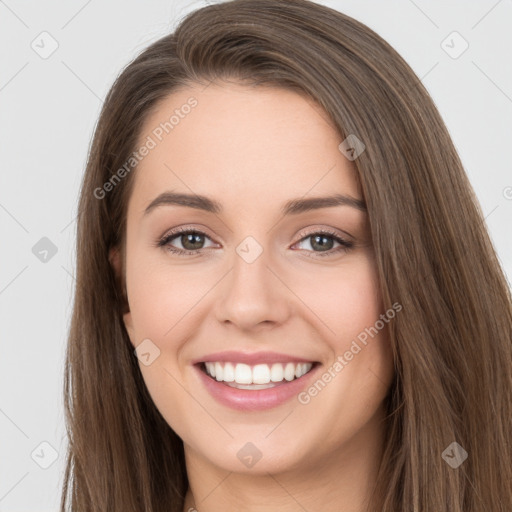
[322, 243]
[191, 241]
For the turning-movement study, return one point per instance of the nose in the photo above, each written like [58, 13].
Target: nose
[253, 294]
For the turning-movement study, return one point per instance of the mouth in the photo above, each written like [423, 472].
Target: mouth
[254, 381]
[256, 377]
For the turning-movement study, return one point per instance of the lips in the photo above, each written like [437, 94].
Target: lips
[256, 395]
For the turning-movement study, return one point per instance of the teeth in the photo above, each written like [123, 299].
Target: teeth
[229, 372]
[240, 373]
[219, 371]
[260, 374]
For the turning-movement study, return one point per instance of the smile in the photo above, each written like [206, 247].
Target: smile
[260, 376]
[255, 387]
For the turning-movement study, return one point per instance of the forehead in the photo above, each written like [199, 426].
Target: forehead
[249, 146]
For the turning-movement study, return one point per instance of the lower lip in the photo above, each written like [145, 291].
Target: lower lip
[257, 400]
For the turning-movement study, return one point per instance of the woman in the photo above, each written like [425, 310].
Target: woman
[286, 295]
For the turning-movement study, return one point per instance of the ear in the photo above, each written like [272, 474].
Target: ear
[116, 261]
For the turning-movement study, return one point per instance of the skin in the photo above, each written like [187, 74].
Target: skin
[253, 149]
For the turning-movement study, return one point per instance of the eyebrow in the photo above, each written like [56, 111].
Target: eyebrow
[292, 207]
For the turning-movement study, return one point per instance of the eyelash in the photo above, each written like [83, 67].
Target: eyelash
[345, 245]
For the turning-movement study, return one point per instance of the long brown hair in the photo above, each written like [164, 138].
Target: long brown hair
[452, 342]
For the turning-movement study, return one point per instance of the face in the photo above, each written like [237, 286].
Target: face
[248, 277]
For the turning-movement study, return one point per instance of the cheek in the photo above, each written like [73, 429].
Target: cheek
[357, 379]
[162, 303]
[345, 299]
[163, 298]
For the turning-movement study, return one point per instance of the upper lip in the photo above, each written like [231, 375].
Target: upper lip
[254, 358]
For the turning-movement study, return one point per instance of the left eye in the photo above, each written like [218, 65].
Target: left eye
[192, 240]
[322, 241]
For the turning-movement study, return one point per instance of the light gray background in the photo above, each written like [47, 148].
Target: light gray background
[49, 108]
